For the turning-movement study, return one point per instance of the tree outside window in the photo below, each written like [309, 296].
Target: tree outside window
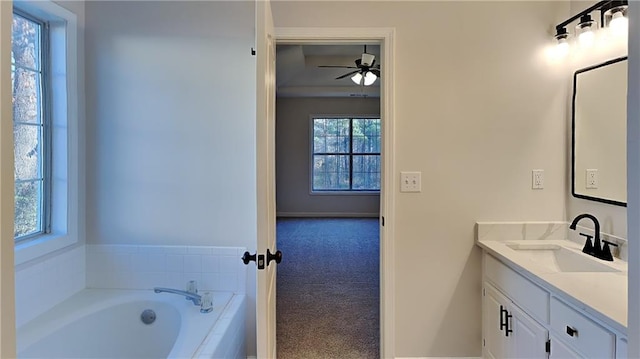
[29, 118]
[346, 154]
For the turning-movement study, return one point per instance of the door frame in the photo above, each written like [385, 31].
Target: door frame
[385, 37]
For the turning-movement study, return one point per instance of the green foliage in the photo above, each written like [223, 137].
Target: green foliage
[346, 154]
[26, 78]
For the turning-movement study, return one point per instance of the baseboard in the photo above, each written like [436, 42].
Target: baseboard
[327, 214]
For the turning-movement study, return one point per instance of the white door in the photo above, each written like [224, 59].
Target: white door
[494, 307]
[529, 337]
[265, 166]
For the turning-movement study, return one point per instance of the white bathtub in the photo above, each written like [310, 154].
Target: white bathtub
[105, 323]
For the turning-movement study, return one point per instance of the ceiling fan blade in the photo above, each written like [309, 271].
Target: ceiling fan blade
[375, 71]
[347, 74]
[338, 66]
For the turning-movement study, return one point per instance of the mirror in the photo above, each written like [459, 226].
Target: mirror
[599, 133]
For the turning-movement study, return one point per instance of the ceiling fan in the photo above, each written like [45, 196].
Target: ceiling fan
[367, 71]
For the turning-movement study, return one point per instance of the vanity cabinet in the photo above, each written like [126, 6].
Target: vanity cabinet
[509, 331]
[521, 319]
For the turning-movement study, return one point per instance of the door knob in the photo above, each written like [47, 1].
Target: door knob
[277, 256]
[247, 257]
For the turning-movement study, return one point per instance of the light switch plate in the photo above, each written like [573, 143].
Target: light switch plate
[410, 182]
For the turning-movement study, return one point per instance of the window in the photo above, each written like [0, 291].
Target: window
[346, 154]
[46, 104]
[31, 128]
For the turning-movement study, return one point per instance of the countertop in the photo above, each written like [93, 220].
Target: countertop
[602, 295]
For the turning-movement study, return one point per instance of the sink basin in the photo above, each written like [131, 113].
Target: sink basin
[561, 259]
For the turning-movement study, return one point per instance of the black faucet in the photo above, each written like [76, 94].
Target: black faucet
[596, 249]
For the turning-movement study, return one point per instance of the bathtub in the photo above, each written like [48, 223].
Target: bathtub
[106, 323]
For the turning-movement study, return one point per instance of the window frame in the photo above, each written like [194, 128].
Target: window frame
[45, 110]
[312, 153]
[67, 187]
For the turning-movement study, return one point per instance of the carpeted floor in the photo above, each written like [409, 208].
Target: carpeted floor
[328, 288]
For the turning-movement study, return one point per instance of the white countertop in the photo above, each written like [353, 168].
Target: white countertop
[603, 295]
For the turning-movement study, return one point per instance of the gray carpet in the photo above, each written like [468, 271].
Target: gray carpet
[328, 288]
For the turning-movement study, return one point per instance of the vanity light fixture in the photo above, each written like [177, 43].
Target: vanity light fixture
[612, 14]
[563, 44]
[585, 30]
[616, 14]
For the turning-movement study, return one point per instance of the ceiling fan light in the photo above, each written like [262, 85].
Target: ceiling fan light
[357, 78]
[369, 78]
[367, 59]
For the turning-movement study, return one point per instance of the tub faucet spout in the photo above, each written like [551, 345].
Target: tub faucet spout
[195, 298]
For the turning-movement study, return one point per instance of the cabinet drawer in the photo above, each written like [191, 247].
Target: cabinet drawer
[581, 332]
[528, 296]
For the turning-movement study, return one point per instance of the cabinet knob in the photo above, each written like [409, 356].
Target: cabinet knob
[572, 331]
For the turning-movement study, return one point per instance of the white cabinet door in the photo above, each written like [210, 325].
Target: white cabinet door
[508, 331]
[529, 338]
[560, 350]
[493, 314]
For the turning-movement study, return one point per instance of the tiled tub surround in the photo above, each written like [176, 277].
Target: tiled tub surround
[43, 283]
[601, 295]
[145, 267]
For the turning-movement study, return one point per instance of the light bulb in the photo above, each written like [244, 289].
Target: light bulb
[586, 38]
[357, 78]
[562, 48]
[619, 24]
[585, 29]
[369, 78]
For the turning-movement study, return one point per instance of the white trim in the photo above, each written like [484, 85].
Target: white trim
[7, 195]
[385, 37]
[327, 214]
[633, 177]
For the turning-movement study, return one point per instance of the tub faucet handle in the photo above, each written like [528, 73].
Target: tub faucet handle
[206, 305]
[192, 287]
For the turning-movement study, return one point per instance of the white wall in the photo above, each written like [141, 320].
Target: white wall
[171, 123]
[478, 106]
[293, 197]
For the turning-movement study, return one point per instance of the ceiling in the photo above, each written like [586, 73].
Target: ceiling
[298, 74]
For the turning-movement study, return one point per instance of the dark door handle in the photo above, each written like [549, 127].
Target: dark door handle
[506, 320]
[502, 318]
[571, 331]
[247, 257]
[277, 256]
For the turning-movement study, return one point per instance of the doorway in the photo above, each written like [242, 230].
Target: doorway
[294, 223]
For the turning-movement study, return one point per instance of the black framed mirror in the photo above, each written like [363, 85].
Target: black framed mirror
[599, 127]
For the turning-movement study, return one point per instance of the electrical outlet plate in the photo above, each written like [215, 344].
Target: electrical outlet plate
[410, 182]
[591, 182]
[537, 179]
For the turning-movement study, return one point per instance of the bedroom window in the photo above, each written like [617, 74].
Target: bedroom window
[31, 125]
[345, 154]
